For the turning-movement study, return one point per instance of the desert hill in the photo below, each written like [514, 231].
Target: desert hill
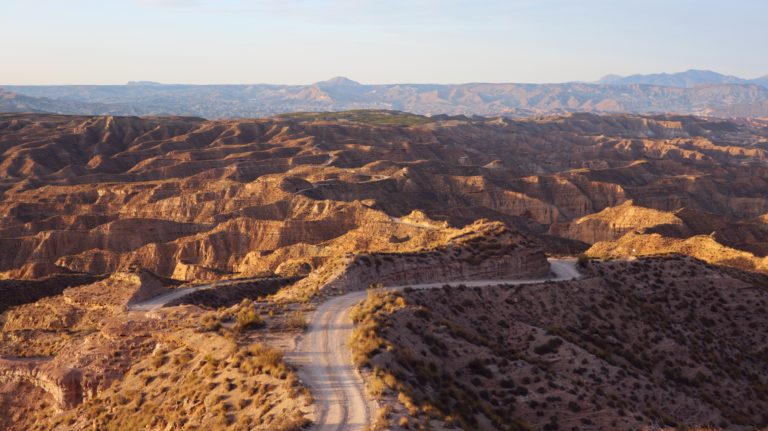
[659, 343]
[79, 360]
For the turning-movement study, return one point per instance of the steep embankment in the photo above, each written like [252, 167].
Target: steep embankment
[613, 222]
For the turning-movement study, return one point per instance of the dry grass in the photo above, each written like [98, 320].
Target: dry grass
[247, 317]
[183, 389]
[296, 320]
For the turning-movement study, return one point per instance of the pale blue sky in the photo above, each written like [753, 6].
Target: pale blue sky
[384, 41]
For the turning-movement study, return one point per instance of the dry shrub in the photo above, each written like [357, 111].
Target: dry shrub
[296, 320]
[247, 317]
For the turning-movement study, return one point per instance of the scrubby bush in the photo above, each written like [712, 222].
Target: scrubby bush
[247, 316]
[296, 320]
[210, 322]
[477, 367]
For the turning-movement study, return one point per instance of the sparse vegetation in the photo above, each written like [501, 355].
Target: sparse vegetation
[322, 203]
[638, 344]
[297, 320]
[247, 316]
[239, 390]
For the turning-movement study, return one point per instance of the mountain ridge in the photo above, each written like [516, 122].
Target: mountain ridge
[472, 99]
[697, 93]
[687, 79]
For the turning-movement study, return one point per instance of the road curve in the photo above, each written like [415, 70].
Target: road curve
[161, 300]
[324, 361]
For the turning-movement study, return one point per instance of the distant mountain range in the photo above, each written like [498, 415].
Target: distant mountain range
[687, 79]
[691, 92]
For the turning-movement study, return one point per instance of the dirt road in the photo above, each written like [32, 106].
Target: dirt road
[161, 300]
[325, 364]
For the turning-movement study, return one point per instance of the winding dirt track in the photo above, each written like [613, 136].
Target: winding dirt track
[325, 364]
[161, 300]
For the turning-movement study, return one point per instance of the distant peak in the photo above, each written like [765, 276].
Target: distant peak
[607, 79]
[338, 81]
[689, 78]
[146, 83]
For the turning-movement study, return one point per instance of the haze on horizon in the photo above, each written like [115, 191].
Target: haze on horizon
[417, 41]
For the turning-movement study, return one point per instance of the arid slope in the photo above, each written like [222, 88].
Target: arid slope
[656, 342]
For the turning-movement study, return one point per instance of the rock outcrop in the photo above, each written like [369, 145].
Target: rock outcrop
[483, 250]
[64, 384]
[702, 247]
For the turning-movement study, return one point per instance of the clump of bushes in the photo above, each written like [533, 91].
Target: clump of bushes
[259, 358]
[476, 366]
[247, 317]
[297, 320]
[210, 322]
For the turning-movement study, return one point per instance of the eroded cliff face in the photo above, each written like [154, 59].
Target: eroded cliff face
[75, 344]
[80, 360]
[703, 247]
[64, 385]
[483, 250]
[202, 200]
[613, 222]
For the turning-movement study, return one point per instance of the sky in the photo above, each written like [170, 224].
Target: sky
[375, 41]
